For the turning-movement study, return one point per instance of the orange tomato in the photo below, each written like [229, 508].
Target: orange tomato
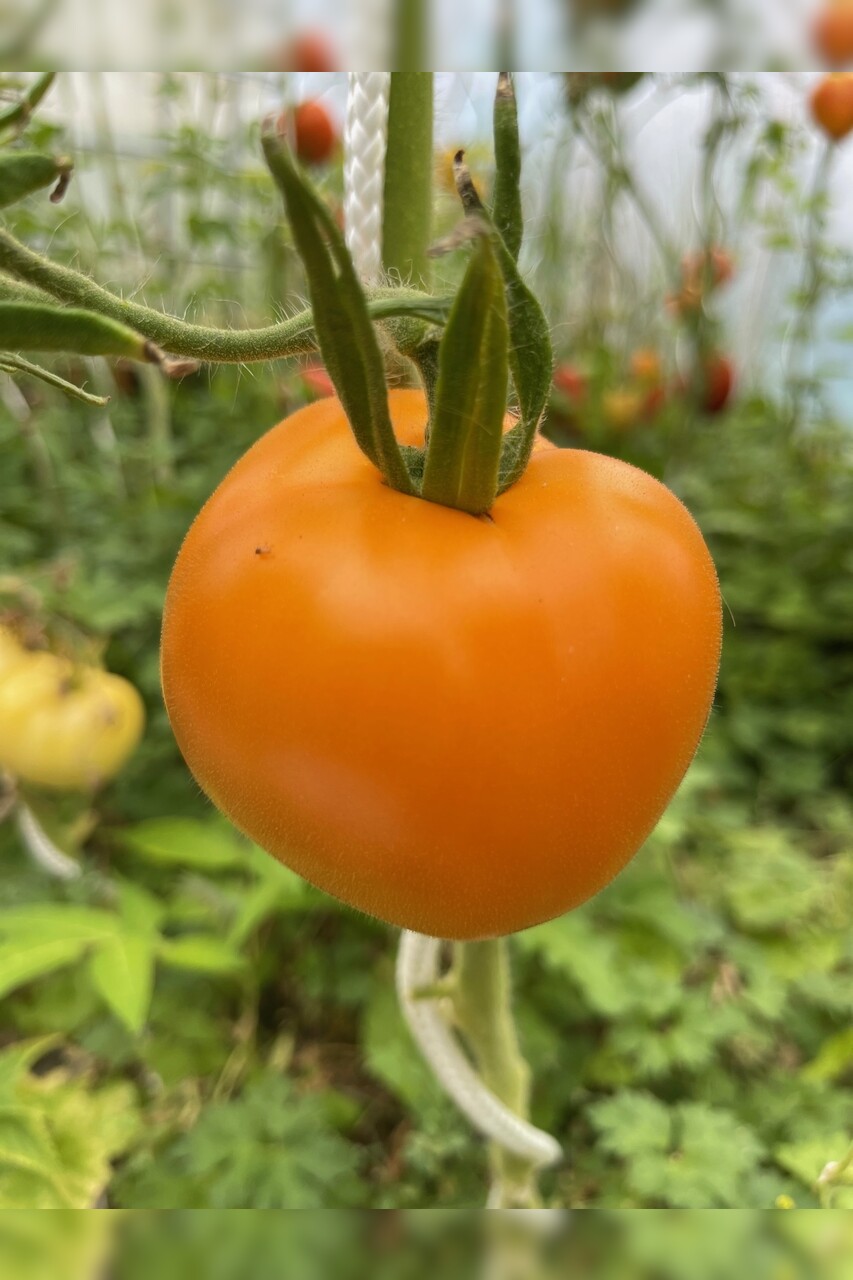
[462, 726]
[310, 51]
[701, 272]
[645, 366]
[313, 132]
[832, 104]
[833, 33]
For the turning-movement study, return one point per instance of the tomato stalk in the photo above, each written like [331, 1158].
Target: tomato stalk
[292, 337]
[407, 222]
[482, 1003]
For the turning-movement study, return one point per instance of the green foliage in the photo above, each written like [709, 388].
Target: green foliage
[58, 1135]
[267, 1149]
[227, 1037]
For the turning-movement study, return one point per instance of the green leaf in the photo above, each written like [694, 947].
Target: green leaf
[186, 842]
[341, 320]
[23, 172]
[530, 356]
[53, 921]
[32, 326]
[466, 430]
[24, 961]
[199, 953]
[267, 1149]
[506, 204]
[806, 1160]
[122, 971]
[631, 1124]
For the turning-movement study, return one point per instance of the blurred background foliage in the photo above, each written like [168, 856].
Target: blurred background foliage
[186, 1025]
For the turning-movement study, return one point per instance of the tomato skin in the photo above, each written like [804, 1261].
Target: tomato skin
[462, 726]
[63, 725]
[832, 104]
[833, 33]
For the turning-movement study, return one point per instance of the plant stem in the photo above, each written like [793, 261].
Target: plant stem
[411, 28]
[407, 219]
[483, 1007]
[17, 116]
[200, 342]
[812, 281]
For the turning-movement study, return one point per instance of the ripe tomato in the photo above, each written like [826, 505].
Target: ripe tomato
[717, 382]
[460, 725]
[646, 366]
[833, 32]
[832, 104]
[314, 135]
[317, 380]
[570, 380]
[63, 725]
[309, 51]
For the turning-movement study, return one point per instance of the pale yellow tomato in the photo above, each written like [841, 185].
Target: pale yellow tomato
[61, 724]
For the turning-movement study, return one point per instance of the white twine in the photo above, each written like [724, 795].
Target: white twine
[418, 970]
[365, 136]
[41, 848]
[418, 960]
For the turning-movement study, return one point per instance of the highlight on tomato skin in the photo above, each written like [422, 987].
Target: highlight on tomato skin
[461, 726]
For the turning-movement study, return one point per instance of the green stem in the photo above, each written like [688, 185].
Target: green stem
[199, 342]
[411, 35]
[18, 115]
[407, 219]
[483, 1007]
[812, 280]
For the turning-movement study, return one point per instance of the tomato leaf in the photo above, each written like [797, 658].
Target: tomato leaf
[341, 321]
[23, 172]
[35, 326]
[530, 355]
[466, 430]
[506, 201]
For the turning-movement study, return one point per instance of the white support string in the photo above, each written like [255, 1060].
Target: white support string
[418, 959]
[41, 848]
[365, 136]
[418, 970]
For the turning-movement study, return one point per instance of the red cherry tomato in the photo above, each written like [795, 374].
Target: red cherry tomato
[312, 131]
[832, 104]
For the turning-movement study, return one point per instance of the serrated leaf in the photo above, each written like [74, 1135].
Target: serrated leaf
[122, 971]
[632, 1124]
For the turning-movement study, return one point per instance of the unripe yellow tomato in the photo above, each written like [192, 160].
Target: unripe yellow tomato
[61, 724]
